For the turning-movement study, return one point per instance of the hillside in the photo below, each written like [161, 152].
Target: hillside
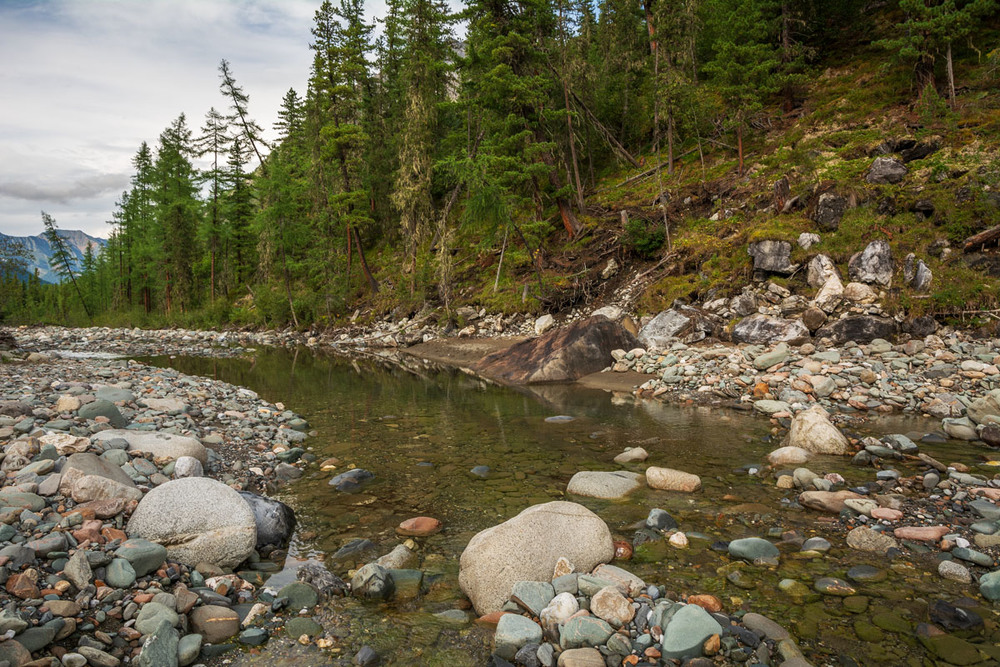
[558, 162]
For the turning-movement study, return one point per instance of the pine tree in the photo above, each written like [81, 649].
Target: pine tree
[14, 258]
[143, 247]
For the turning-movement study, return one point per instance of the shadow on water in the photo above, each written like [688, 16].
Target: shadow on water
[421, 433]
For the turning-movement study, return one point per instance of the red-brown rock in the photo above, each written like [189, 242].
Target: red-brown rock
[23, 586]
[709, 603]
[420, 526]
[921, 533]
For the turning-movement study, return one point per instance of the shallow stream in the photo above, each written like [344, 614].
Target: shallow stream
[421, 433]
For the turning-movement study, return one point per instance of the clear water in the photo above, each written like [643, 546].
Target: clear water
[422, 432]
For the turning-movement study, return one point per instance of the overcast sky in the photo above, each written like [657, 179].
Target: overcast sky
[84, 82]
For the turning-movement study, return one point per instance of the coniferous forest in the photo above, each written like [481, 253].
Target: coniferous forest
[499, 156]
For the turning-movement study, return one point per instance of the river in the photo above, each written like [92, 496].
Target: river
[422, 432]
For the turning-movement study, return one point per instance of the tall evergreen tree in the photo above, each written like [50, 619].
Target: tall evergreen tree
[213, 143]
[427, 55]
[744, 58]
[177, 212]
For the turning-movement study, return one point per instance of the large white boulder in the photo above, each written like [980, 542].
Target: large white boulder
[166, 445]
[812, 430]
[198, 520]
[526, 548]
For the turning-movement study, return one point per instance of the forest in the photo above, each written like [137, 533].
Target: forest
[444, 159]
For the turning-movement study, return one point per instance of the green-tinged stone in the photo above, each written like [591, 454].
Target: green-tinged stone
[215, 650]
[513, 632]
[160, 647]
[972, 556]
[867, 632]
[589, 585]
[188, 649]
[456, 617]
[296, 627]
[253, 636]
[989, 585]
[583, 631]
[741, 579]
[954, 650]
[145, 556]
[300, 595]
[687, 631]
[150, 616]
[834, 586]
[103, 408]
[755, 550]
[796, 590]
[856, 604]
[866, 573]
[532, 596]
[120, 574]
[407, 582]
[252, 577]
[891, 622]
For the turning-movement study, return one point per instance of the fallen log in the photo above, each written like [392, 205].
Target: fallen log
[981, 239]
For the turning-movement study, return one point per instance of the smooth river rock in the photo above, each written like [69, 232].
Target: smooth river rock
[826, 501]
[812, 430]
[608, 485]
[562, 355]
[526, 548]
[668, 479]
[199, 520]
[167, 445]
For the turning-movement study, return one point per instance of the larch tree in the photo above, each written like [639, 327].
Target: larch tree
[62, 258]
[744, 59]
[214, 143]
[427, 55]
[177, 211]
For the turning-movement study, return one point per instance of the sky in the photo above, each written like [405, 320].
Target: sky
[85, 82]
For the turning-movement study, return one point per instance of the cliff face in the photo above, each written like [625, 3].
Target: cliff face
[41, 251]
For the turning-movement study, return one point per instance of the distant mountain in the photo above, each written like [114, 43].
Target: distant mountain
[41, 251]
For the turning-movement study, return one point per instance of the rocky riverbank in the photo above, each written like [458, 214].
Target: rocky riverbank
[920, 515]
[133, 526]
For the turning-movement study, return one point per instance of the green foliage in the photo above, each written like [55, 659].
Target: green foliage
[643, 239]
[405, 170]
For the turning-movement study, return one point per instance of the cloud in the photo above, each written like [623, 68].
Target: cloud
[87, 187]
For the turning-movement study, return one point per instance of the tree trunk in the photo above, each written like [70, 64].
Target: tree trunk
[786, 55]
[648, 10]
[739, 144]
[572, 150]
[372, 283]
[951, 76]
[288, 283]
[670, 142]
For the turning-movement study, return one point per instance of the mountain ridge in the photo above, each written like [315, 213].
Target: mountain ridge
[41, 251]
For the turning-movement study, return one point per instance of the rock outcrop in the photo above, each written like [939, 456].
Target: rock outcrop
[562, 355]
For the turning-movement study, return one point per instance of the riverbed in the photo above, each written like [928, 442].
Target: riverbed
[422, 433]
